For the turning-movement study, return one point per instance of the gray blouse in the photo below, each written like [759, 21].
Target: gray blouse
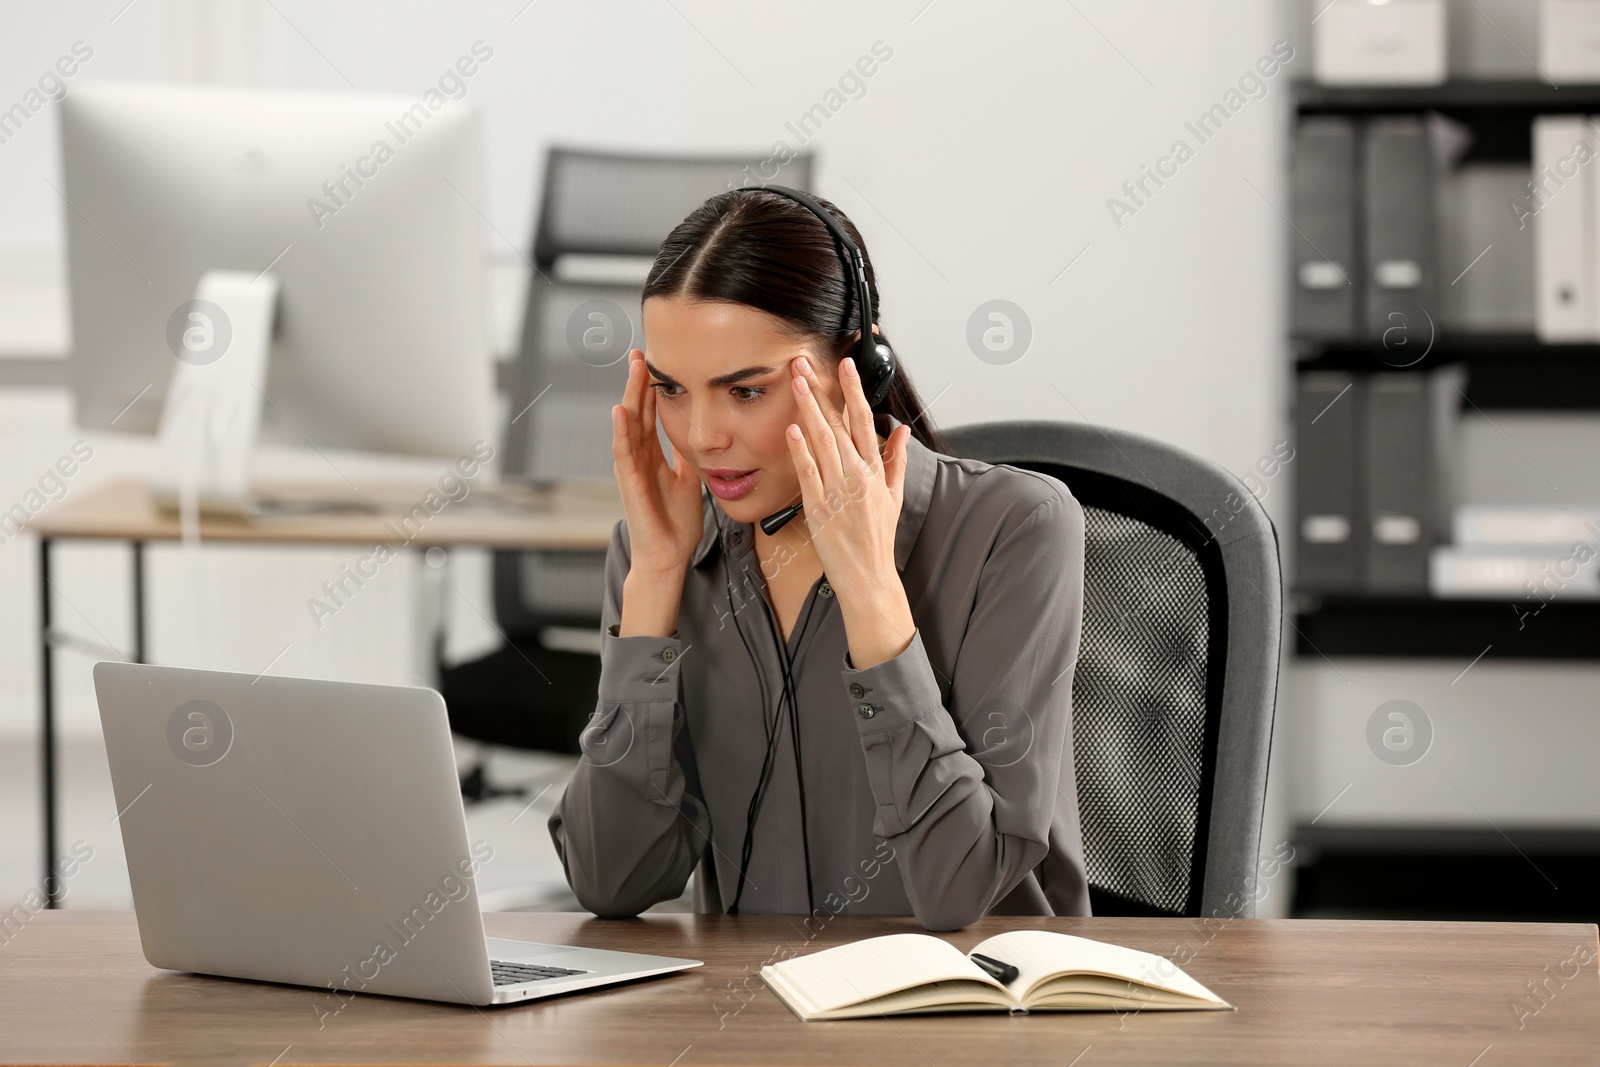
[939, 783]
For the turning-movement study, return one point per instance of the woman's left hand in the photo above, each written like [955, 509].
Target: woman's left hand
[852, 499]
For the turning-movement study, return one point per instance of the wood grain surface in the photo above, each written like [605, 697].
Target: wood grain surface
[569, 517]
[74, 986]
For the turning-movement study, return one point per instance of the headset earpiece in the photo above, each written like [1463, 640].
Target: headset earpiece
[875, 361]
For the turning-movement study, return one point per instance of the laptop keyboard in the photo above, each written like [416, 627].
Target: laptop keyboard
[516, 973]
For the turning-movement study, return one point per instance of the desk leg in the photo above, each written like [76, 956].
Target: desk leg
[47, 728]
[138, 602]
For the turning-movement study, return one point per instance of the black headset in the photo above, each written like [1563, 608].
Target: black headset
[875, 361]
[774, 731]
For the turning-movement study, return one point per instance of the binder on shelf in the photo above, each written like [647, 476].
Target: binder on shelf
[1560, 206]
[1409, 437]
[1399, 230]
[1325, 304]
[1486, 252]
[1328, 525]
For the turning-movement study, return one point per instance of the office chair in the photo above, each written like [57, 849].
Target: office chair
[600, 211]
[1177, 673]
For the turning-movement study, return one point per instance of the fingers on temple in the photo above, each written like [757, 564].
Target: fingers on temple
[862, 431]
[805, 465]
[819, 428]
[649, 441]
[643, 409]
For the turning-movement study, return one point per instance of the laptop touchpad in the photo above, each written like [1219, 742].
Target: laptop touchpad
[501, 948]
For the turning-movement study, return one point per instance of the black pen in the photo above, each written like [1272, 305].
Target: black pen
[1004, 972]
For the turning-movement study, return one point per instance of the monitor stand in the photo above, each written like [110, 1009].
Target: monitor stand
[205, 453]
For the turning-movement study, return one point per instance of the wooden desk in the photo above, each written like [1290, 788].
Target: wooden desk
[74, 985]
[574, 517]
[571, 517]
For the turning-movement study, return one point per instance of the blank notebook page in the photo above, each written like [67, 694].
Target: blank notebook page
[866, 969]
[1037, 953]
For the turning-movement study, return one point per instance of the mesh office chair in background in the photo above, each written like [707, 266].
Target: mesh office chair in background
[1177, 673]
[603, 215]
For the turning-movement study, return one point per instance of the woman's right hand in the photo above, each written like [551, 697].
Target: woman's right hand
[662, 503]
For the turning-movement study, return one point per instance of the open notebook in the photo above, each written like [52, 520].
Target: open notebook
[901, 974]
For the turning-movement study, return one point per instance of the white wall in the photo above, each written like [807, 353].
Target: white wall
[978, 165]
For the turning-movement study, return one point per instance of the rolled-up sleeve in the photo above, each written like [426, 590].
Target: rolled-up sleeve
[627, 830]
[968, 774]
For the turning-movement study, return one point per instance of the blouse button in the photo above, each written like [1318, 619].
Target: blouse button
[865, 710]
[858, 690]
[826, 591]
[669, 654]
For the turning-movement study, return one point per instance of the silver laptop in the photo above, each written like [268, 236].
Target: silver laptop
[312, 833]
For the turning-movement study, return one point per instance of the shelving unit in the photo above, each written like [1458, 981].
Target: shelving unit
[1499, 113]
[1506, 372]
[1457, 629]
[1504, 873]
[1490, 871]
[1477, 95]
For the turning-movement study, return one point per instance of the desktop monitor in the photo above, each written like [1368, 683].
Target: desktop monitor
[329, 245]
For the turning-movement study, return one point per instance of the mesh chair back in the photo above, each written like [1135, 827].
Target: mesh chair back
[573, 360]
[1177, 668]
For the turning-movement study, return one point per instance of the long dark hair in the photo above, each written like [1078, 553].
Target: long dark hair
[765, 251]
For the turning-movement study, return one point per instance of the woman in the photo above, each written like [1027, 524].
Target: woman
[918, 620]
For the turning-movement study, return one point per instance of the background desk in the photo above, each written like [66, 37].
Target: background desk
[74, 985]
[567, 518]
